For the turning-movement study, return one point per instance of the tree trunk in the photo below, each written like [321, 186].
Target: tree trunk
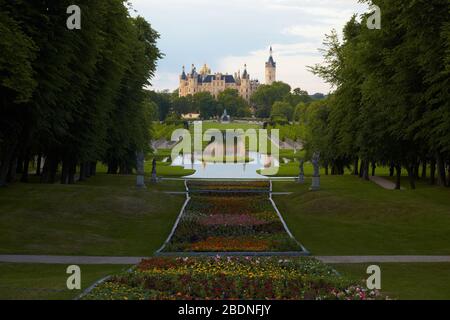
[12, 172]
[433, 171]
[82, 171]
[416, 170]
[93, 168]
[442, 179]
[374, 168]
[50, 169]
[6, 164]
[26, 169]
[19, 168]
[72, 171]
[361, 169]
[412, 176]
[355, 167]
[65, 172]
[448, 180]
[424, 169]
[392, 169]
[399, 177]
[38, 165]
[113, 167]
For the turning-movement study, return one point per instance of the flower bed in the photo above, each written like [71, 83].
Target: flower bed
[251, 186]
[233, 223]
[229, 279]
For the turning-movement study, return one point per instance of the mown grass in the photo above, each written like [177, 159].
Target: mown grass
[47, 282]
[407, 281]
[104, 216]
[350, 216]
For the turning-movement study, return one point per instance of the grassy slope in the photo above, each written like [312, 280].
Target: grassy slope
[408, 281]
[104, 216]
[46, 282]
[354, 217]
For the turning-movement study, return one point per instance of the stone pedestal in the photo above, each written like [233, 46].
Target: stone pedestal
[315, 184]
[140, 170]
[140, 182]
[301, 179]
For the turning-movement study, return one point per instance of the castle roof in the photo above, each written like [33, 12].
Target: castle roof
[183, 75]
[209, 78]
[271, 62]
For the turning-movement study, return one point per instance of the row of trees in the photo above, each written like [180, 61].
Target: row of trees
[171, 105]
[70, 98]
[279, 101]
[391, 105]
[275, 101]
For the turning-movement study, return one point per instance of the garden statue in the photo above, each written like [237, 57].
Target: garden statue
[316, 176]
[301, 176]
[225, 118]
[154, 176]
[140, 180]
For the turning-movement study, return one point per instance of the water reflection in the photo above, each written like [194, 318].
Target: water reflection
[210, 170]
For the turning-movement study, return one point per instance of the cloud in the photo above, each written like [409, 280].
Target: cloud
[306, 31]
[292, 62]
[165, 80]
[228, 34]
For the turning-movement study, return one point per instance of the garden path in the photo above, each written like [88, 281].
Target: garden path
[383, 182]
[85, 260]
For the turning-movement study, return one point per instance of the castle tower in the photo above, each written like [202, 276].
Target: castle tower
[183, 90]
[271, 69]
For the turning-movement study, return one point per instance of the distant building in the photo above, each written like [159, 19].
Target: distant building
[204, 81]
[271, 69]
[191, 116]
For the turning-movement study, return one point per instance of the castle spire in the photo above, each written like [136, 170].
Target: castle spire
[183, 74]
[271, 69]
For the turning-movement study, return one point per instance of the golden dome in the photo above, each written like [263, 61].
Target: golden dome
[205, 70]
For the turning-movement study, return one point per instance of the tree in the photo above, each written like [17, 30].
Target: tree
[282, 111]
[235, 105]
[391, 103]
[266, 95]
[206, 104]
[73, 98]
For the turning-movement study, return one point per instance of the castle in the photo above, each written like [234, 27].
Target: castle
[205, 81]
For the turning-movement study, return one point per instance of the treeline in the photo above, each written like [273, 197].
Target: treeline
[171, 106]
[391, 106]
[279, 102]
[275, 101]
[71, 98]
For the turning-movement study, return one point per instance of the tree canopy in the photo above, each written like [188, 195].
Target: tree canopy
[391, 103]
[70, 98]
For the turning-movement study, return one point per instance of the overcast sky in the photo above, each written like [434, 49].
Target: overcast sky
[226, 34]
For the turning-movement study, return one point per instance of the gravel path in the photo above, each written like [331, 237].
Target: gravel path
[70, 260]
[84, 260]
[383, 259]
[384, 183]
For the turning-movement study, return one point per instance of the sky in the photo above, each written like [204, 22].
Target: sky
[226, 34]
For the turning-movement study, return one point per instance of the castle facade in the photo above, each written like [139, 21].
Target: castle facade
[205, 81]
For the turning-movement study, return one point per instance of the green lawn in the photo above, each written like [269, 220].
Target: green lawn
[104, 216]
[46, 282]
[226, 126]
[407, 281]
[355, 217]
